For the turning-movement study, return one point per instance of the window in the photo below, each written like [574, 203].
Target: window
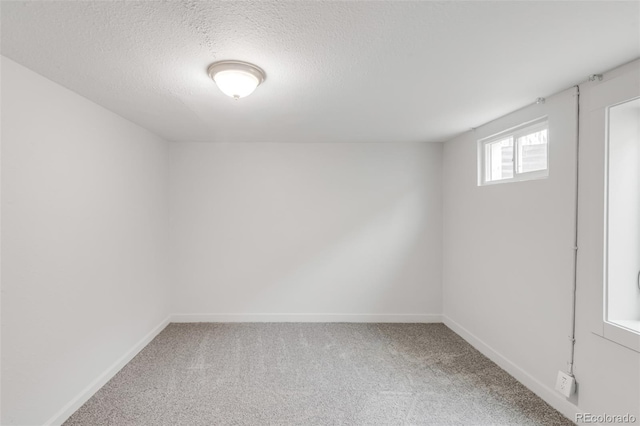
[521, 153]
[622, 239]
[609, 225]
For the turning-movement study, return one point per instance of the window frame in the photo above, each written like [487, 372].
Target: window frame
[514, 133]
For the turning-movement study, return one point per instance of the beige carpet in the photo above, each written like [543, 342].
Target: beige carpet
[312, 374]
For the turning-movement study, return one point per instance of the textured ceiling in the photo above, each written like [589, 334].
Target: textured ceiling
[336, 71]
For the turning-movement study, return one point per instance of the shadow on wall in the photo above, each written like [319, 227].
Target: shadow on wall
[364, 262]
[307, 229]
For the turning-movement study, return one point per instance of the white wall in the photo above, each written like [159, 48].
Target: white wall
[307, 231]
[608, 373]
[508, 248]
[507, 263]
[84, 242]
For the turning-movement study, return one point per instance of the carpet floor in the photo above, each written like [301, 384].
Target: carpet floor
[312, 374]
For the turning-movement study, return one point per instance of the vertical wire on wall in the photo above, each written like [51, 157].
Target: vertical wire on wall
[572, 336]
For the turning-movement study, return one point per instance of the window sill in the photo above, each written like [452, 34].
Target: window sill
[522, 177]
[633, 325]
[623, 332]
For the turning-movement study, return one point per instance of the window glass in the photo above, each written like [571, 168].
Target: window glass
[532, 152]
[500, 156]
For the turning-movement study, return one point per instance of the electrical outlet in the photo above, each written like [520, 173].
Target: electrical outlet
[565, 384]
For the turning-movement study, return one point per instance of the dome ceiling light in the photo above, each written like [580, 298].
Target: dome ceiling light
[235, 78]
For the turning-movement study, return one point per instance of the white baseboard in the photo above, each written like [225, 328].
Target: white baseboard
[395, 318]
[550, 396]
[61, 416]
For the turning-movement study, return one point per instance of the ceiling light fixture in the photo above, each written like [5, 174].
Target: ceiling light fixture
[235, 78]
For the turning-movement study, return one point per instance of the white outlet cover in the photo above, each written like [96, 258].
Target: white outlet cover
[565, 384]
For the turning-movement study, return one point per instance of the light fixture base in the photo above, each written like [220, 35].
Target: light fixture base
[254, 70]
